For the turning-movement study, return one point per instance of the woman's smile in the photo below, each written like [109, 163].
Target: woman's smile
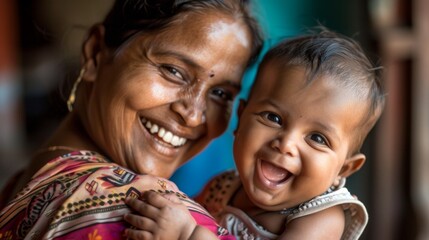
[163, 135]
[167, 141]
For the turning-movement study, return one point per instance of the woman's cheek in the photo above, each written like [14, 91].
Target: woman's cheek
[219, 120]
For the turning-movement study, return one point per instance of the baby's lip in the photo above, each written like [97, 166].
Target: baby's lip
[274, 174]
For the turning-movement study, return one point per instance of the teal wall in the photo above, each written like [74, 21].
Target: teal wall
[279, 19]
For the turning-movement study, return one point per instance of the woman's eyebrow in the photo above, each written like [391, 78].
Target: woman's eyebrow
[190, 62]
[178, 55]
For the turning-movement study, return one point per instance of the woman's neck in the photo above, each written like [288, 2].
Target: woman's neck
[71, 133]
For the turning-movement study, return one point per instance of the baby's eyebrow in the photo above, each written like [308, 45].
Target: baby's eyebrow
[328, 129]
[269, 101]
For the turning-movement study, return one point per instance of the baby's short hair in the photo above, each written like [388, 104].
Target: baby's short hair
[329, 53]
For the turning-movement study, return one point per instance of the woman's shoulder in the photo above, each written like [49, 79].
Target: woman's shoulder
[9, 188]
[75, 159]
[81, 188]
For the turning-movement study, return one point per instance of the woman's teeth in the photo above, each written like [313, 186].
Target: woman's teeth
[165, 135]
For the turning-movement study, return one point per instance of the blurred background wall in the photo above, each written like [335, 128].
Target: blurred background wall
[39, 51]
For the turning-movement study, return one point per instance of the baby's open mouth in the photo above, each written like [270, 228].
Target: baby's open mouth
[162, 134]
[273, 173]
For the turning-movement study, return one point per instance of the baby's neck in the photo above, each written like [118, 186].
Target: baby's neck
[242, 201]
[273, 221]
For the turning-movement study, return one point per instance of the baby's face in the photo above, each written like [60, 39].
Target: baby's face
[293, 138]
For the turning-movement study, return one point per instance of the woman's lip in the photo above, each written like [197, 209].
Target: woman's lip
[160, 146]
[162, 134]
[269, 174]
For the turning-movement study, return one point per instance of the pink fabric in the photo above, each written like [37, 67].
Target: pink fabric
[81, 196]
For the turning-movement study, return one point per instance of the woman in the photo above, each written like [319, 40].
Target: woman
[156, 83]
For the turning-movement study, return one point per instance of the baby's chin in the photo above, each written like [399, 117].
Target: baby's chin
[271, 204]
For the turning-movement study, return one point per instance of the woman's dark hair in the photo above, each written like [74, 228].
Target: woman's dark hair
[128, 17]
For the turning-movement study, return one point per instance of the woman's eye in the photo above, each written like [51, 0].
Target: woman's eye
[222, 94]
[318, 139]
[272, 117]
[171, 71]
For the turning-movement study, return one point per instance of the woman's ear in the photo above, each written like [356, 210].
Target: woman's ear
[92, 51]
[352, 165]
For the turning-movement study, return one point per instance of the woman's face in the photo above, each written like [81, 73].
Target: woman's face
[161, 98]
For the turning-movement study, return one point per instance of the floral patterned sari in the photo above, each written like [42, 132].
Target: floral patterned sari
[81, 196]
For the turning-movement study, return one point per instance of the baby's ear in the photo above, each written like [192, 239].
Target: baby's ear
[91, 52]
[352, 165]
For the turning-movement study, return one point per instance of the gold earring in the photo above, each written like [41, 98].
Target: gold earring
[72, 96]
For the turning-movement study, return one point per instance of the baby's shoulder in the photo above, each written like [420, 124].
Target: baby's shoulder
[353, 211]
[218, 191]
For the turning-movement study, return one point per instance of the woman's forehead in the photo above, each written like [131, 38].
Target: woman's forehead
[222, 29]
[217, 43]
[199, 31]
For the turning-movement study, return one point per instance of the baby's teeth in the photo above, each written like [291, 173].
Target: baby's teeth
[148, 124]
[154, 129]
[167, 137]
[161, 133]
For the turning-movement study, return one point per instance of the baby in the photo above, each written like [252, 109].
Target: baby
[299, 135]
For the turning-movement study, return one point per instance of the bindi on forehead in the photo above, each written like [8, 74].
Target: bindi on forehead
[211, 74]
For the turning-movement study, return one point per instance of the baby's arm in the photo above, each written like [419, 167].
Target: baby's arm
[327, 224]
[163, 217]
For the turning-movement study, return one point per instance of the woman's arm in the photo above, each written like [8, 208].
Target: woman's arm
[324, 225]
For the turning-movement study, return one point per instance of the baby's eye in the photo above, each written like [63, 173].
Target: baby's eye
[272, 117]
[318, 138]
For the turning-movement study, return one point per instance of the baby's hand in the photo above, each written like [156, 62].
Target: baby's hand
[161, 216]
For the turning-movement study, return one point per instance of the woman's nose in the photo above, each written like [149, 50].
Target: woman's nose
[191, 108]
